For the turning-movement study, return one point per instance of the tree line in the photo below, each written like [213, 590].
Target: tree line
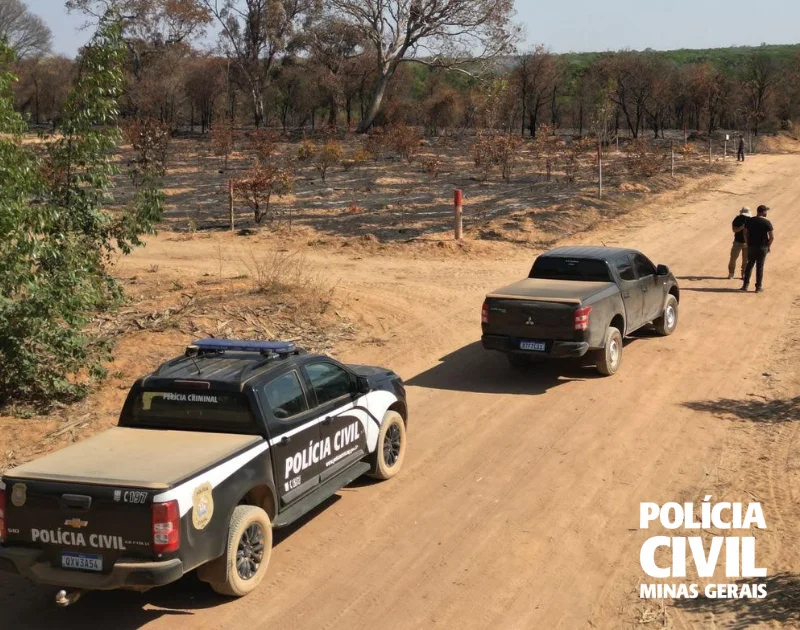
[355, 64]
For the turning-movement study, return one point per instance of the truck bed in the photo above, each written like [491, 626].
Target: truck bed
[140, 458]
[564, 291]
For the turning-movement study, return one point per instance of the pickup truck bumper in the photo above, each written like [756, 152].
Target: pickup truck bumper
[555, 349]
[126, 574]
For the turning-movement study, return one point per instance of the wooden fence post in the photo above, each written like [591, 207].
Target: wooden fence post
[458, 208]
[672, 154]
[600, 169]
[230, 202]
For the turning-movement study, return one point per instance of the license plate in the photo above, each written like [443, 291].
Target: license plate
[538, 346]
[82, 561]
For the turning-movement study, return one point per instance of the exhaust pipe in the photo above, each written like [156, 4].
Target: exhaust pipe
[64, 598]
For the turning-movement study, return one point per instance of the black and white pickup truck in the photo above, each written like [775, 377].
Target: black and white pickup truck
[212, 451]
[578, 300]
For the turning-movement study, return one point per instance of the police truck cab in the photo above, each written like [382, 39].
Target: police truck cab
[212, 451]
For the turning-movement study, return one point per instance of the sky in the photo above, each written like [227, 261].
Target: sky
[585, 25]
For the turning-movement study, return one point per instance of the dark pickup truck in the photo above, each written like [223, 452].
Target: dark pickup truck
[213, 450]
[578, 300]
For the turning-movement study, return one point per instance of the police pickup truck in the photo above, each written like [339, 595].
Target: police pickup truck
[579, 300]
[211, 452]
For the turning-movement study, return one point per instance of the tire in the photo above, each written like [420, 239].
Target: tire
[250, 533]
[609, 357]
[668, 322]
[391, 449]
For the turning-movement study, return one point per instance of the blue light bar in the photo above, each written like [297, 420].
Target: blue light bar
[236, 345]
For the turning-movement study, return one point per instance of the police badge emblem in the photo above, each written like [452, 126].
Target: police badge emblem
[202, 506]
[19, 494]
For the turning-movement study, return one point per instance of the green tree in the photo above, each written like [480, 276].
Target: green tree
[57, 235]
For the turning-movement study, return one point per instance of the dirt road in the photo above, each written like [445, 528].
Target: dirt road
[518, 504]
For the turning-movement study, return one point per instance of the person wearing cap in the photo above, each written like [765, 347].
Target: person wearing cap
[759, 236]
[739, 246]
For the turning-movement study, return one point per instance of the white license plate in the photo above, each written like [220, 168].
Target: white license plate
[538, 346]
[83, 561]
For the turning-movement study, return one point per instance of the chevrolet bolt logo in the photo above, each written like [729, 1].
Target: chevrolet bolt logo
[76, 523]
[529, 322]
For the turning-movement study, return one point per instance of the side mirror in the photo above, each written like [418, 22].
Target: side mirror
[662, 270]
[362, 385]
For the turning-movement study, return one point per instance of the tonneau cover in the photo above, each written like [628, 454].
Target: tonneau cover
[540, 290]
[141, 458]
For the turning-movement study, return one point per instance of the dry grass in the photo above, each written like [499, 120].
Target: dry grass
[289, 274]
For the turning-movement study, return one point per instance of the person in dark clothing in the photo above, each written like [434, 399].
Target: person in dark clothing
[740, 154]
[739, 246]
[758, 235]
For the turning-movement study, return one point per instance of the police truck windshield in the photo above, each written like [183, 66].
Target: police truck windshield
[582, 269]
[189, 411]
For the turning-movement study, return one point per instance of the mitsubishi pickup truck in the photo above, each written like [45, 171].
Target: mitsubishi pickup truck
[578, 301]
[211, 452]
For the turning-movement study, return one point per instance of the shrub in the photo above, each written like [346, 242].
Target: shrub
[546, 148]
[361, 155]
[573, 153]
[505, 153]
[443, 110]
[643, 159]
[483, 154]
[263, 143]
[307, 151]
[222, 139]
[329, 155]
[150, 139]
[258, 186]
[432, 167]
[404, 140]
[374, 145]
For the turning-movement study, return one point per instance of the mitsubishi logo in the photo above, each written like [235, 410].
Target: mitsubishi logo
[76, 523]
[529, 322]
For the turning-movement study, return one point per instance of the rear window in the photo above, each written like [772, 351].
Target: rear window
[187, 411]
[585, 269]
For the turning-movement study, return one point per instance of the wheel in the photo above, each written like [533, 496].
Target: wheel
[519, 361]
[668, 322]
[609, 357]
[247, 554]
[391, 449]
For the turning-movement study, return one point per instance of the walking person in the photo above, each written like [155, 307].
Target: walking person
[740, 153]
[759, 236]
[739, 246]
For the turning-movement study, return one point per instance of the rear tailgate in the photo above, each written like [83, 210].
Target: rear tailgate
[79, 526]
[531, 319]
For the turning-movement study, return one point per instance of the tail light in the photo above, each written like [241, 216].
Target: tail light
[581, 317]
[3, 526]
[485, 313]
[166, 527]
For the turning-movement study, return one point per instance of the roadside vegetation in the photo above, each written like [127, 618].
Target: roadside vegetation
[56, 239]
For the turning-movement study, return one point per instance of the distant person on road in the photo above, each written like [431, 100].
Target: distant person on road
[739, 246]
[758, 235]
[740, 154]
